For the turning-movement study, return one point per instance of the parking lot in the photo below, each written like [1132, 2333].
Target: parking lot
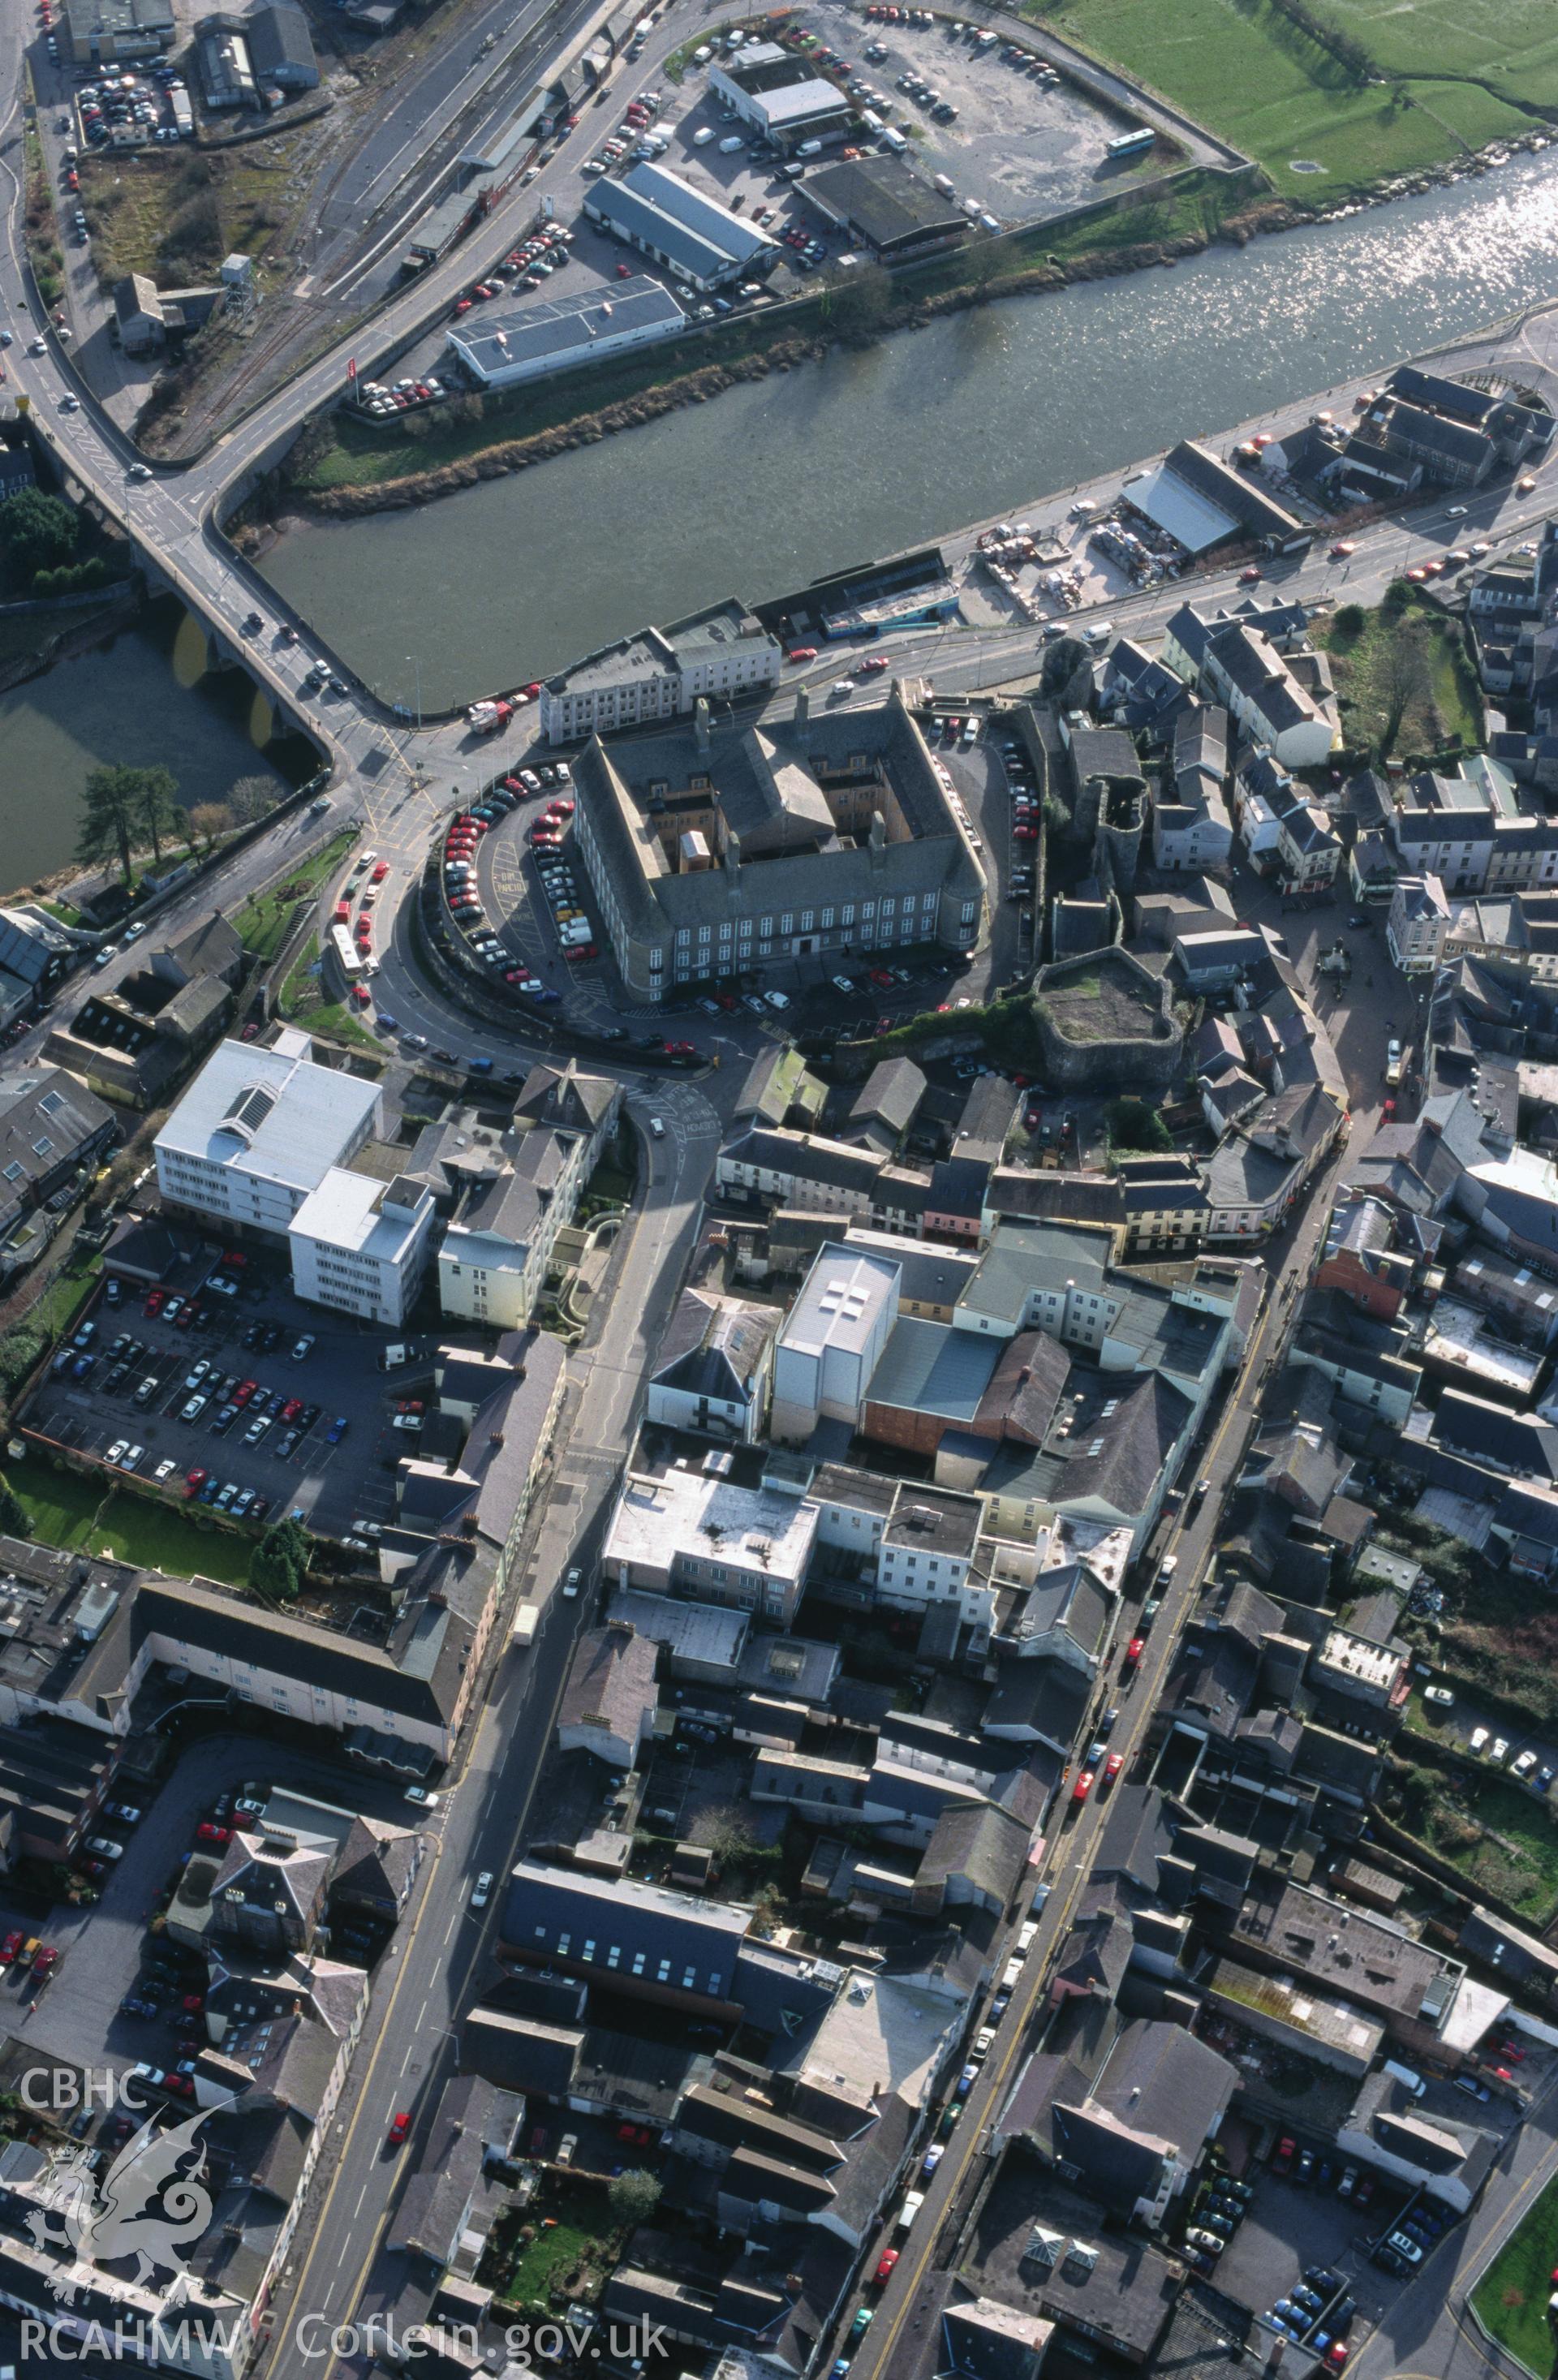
[1290, 2229]
[117, 109]
[104, 1950]
[215, 1398]
[1024, 143]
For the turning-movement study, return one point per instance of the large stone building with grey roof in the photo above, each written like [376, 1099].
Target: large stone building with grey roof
[747, 848]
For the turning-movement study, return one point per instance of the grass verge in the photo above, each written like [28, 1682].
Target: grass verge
[265, 921]
[89, 1517]
[1511, 2298]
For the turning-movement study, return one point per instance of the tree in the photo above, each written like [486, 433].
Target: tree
[110, 815]
[37, 532]
[15, 1519]
[208, 820]
[278, 1562]
[633, 2196]
[156, 810]
[1133, 1124]
[728, 1834]
[253, 798]
[1350, 619]
[1405, 675]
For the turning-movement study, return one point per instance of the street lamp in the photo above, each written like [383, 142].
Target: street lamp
[416, 666]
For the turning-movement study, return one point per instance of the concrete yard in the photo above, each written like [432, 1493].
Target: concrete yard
[1024, 152]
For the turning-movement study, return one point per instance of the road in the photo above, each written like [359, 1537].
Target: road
[902, 2329]
[409, 2045]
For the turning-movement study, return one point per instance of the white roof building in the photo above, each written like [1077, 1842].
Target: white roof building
[831, 1338]
[696, 1533]
[361, 1244]
[259, 1129]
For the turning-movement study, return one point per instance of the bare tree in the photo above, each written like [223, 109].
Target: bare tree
[1405, 676]
[208, 820]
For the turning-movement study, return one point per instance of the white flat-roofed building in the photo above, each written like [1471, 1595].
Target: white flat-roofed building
[695, 1534]
[257, 1130]
[831, 1338]
[501, 350]
[361, 1244]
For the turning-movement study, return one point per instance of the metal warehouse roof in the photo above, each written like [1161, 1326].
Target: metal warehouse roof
[1190, 517]
[566, 327]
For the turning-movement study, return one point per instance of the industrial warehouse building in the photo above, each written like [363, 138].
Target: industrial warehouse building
[692, 235]
[885, 205]
[500, 350]
[779, 95]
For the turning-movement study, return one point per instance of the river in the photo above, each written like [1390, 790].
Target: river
[779, 479]
[143, 697]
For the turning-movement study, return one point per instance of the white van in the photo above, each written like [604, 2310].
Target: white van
[944, 183]
[893, 139]
[729, 147]
[703, 136]
[809, 149]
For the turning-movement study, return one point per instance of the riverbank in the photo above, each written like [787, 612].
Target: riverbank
[342, 469]
[884, 446]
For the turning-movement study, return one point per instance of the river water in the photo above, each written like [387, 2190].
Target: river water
[143, 697]
[779, 479]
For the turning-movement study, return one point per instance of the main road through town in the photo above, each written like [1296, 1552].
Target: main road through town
[904, 2331]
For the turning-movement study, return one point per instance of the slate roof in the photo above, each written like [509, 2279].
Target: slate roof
[714, 1346]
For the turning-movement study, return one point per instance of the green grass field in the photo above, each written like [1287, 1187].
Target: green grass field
[1499, 1836]
[1442, 705]
[1511, 2298]
[1243, 71]
[66, 1509]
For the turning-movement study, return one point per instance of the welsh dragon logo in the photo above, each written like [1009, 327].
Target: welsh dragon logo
[150, 2205]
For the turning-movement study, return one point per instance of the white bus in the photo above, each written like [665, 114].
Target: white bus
[1130, 144]
[347, 952]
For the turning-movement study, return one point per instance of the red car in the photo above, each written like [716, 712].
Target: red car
[155, 1302]
[680, 1050]
[412, 1405]
[1083, 1786]
[379, 872]
[291, 1409]
[244, 1391]
[399, 2126]
[1286, 2151]
[192, 2003]
[1134, 1651]
[1336, 2354]
[343, 914]
[193, 1482]
[9, 1948]
[361, 996]
[563, 808]
[1247, 577]
[587, 952]
[882, 980]
[234, 1260]
[1113, 1766]
[883, 2273]
[1388, 1109]
[180, 2084]
[801, 653]
[869, 669]
[206, 1833]
[46, 1960]
[463, 307]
